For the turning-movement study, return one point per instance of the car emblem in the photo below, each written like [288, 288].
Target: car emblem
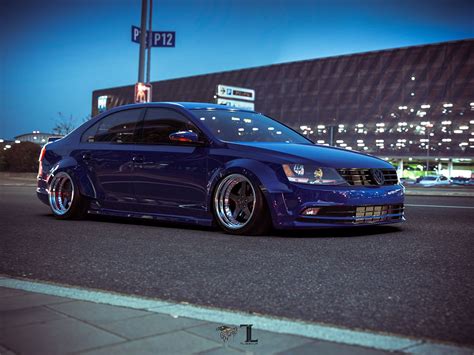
[377, 174]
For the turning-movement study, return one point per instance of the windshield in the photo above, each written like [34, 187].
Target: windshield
[239, 126]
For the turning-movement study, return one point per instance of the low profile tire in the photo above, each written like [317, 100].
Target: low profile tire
[64, 198]
[239, 207]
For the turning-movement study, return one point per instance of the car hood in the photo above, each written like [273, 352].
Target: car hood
[312, 153]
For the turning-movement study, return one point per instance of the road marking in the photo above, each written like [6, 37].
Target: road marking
[438, 206]
[382, 341]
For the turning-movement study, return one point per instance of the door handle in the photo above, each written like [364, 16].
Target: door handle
[138, 159]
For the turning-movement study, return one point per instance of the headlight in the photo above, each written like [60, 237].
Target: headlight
[310, 174]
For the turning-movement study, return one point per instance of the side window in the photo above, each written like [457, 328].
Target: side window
[444, 178]
[159, 123]
[118, 127]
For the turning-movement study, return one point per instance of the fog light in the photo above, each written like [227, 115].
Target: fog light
[312, 211]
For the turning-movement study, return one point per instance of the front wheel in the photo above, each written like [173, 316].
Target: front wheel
[240, 207]
[64, 198]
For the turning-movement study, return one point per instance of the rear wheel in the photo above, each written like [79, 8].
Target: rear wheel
[240, 207]
[64, 197]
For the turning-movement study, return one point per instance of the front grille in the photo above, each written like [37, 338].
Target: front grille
[359, 214]
[365, 177]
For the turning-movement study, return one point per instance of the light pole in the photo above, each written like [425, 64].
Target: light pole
[428, 127]
[148, 60]
[141, 61]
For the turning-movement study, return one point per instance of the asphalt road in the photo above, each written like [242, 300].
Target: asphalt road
[414, 279]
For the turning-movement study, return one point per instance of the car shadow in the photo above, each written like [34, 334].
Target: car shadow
[344, 232]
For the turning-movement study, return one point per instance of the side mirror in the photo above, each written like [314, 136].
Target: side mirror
[184, 136]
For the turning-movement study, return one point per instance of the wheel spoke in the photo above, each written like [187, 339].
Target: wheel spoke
[236, 212]
[246, 212]
[234, 197]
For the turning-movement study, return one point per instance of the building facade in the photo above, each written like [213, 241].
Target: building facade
[415, 102]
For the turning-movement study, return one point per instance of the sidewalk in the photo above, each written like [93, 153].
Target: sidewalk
[34, 323]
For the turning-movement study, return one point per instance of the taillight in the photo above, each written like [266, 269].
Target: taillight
[43, 152]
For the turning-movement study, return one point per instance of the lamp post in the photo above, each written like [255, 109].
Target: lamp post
[148, 60]
[428, 126]
[141, 60]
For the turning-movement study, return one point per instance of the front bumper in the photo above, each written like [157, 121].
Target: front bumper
[339, 206]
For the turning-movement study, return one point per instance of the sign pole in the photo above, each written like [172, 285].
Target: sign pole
[148, 60]
[141, 62]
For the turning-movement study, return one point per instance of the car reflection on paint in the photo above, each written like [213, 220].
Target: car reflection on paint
[209, 164]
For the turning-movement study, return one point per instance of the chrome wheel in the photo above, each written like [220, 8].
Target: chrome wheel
[234, 201]
[61, 193]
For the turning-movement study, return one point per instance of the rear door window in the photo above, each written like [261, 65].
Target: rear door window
[118, 127]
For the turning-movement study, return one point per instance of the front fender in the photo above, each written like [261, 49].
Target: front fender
[260, 174]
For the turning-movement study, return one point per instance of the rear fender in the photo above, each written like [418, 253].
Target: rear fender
[78, 173]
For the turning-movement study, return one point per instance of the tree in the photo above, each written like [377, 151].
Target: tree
[22, 157]
[65, 125]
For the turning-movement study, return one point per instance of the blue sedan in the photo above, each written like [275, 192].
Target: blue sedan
[209, 164]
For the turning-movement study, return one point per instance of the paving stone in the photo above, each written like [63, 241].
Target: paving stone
[179, 342]
[97, 313]
[29, 300]
[24, 316]
[150, 325]
[439, 349]
[8, 292]
[267, 342]
[56, 337]
[325, 347]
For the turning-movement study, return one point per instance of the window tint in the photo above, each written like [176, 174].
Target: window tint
[159, 123]
[118, 127]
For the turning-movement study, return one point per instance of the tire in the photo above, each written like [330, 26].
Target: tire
[239, 206]
[64, 198]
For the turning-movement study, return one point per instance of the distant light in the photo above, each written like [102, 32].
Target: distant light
[457, 131]
[402, 107]
[17, 141]
[203, 118]
[413, 78]
[214, 117]
[448, 105]
[446, 140]
[470, 122]
[463, 144]
[35, 137]
[412, 94]
[360, 144]
[339, 141]
[425, 106]
[321, 126]
[410, 159]
[360, 141]
[246, 120]
[463, 127]
[343, 144]
[278, 132]
[341, 126]
[366, 148]
[271, 128]
[8, 146]
[241, 129]
[360, 125]
[303, 128]
[235, 119]
[446, 122]
[1, 140]
[254, 129]
[381, 124]
[320, 142]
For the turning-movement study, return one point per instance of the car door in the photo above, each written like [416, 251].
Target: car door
[170, 177]
[106, 153]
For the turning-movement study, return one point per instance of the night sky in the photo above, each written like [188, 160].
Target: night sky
[55, 53]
